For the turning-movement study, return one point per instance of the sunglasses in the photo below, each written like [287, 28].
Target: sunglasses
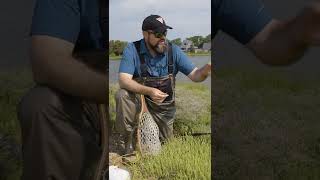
[158, 34]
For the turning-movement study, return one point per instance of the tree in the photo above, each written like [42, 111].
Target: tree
[207, 38]
[177, 41]
[196, 40]
[111, 43]
[116, 47]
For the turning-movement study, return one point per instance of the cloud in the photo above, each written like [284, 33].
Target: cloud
[142, 5]
[187, 17]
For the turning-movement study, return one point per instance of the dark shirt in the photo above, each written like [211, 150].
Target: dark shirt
[76, 21]
[241, 19]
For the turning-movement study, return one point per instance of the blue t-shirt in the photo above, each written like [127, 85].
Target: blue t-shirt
[158, 65]
[76, 21]
[241, 19]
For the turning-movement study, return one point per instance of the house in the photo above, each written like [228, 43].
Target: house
[206, 47]
[187, 45]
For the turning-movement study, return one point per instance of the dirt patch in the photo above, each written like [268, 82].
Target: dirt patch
[116, 149]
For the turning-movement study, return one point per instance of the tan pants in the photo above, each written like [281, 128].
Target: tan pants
[128, 105]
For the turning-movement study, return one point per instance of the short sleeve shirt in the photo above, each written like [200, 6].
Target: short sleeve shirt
[156, 66]
[241, 19]
[76, 21]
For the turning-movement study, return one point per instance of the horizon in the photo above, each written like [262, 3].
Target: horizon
[182, 39]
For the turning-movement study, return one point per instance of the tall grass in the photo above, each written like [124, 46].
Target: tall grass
[181, 158]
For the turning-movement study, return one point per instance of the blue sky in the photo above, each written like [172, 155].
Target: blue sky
[187, 17]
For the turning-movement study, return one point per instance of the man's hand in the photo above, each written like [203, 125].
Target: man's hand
[199, 75]
[157, 95]
[126, 82]
[284, 42]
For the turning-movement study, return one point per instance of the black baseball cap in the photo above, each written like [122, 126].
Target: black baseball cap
[155, 23]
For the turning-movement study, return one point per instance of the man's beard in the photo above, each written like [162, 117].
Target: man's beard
[159, 47]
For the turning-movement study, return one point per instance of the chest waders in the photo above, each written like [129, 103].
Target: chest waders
[101, 169]
[162, 113]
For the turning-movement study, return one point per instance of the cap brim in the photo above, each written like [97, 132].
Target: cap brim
[168, 27]
[162, 29]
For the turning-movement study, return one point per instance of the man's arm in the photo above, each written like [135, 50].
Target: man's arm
[284, 42]
[199, 75]
[185, 65]
[53, 65]
[126, 82]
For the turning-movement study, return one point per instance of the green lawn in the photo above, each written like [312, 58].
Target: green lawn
[115, 57]
[199, 54]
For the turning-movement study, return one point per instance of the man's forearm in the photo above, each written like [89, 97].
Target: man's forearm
[72, 77]
[133, 86]
[283, 45]
[201, 74]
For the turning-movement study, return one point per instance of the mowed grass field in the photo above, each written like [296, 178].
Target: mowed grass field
[183, 157]
[266, 124]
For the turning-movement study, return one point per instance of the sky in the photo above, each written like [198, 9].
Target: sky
[186, 17]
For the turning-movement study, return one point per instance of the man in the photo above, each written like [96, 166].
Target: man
[59, 116]
[149, 67]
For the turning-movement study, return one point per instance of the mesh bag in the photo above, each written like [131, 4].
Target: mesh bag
[147, 132]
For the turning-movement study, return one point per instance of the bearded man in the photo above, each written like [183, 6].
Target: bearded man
[149, 67]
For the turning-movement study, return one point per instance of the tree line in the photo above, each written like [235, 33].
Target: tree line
[116, 47]
[197, 41]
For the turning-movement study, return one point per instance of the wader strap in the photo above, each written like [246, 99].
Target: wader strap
[143, 66]
[103, 14]
[170, 59]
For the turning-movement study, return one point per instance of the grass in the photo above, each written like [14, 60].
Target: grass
[199, 54]
[181, 158]
[266, 124]
[13, 85]
[193, 102]
[115, 57]
[184, 157]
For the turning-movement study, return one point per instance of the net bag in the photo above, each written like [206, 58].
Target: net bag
[148, 141]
